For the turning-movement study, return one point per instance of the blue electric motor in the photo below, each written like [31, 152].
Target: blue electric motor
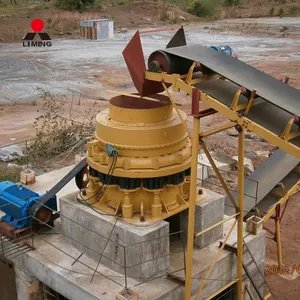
[16, 201]
[223, 49]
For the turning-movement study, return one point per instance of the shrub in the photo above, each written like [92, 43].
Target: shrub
[98, 4]
[232, 2]
[203, 8]
[281, 12]
[293, 10]
[272, 11]
[9, 173]
[60, 131]
[74, 4]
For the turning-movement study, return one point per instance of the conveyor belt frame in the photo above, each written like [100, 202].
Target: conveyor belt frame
[236, 113]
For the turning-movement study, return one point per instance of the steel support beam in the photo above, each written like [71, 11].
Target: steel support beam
[215, 261]
[224, 185]
[217, 129]
[179, 84]
[216, 225]
[283, 200]
[278, 236]
[240, 233]
[192, 199]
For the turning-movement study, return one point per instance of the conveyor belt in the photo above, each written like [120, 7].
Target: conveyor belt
[270, 199]
[274, 169]
[276, 105]
[264, 179]
[262, 112]
[267, 87]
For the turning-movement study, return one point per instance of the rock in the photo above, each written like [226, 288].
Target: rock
[251, 154]
[205, 169]
[12, 166]
[263, 153]
[6, 152]
[123, 30]
[247, 163]
[182, 18]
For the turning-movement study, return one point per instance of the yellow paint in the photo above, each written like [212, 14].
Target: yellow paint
[157, 204]
[236, 115]
[240, 233]
[152, 141]
[192, 204]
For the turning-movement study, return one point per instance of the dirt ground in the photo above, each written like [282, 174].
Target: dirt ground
[286, 287]
[261, 8]
[142, 14]
[61, 23]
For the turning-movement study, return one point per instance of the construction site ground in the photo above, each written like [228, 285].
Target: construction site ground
[83, 72]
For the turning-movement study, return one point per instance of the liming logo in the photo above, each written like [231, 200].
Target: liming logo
[37, 25]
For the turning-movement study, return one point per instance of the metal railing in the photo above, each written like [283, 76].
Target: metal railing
[207, 182]
[123, 261]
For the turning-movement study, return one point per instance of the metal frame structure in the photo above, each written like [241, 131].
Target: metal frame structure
[275, 213]
[237, 115]
[13, 247]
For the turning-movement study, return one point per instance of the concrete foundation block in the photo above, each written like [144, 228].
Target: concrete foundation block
[209, 211]
[142, 250]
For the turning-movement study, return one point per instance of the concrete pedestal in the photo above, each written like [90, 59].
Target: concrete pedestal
[209, 211]
[140, 251]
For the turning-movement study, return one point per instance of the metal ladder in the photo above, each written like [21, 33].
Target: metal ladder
[246, 266]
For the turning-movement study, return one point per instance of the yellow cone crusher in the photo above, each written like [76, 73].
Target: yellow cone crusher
[139, 160]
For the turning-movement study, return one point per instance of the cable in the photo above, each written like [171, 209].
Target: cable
[107, 241]
[122, 276]
[100, 189]
[85, 201]
[110, 169]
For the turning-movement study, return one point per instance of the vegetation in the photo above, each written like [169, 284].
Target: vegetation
[94, 4]
[74, 4]
[294, 10]
[60, 131]
[203, 8]
[9, 173]
[281, 12]
[232, 2]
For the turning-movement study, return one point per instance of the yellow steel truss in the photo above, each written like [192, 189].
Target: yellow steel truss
[232, 113]
[242, 123]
